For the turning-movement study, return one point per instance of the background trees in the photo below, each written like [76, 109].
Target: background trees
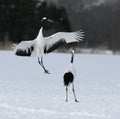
[21, 19]
[99, 19]
[102, 25]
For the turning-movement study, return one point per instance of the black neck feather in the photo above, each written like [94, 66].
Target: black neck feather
[72, 58]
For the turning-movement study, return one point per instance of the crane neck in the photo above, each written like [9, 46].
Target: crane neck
[40, 34]
[72, 57]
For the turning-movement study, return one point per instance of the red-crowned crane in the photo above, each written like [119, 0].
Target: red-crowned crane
[42, 45]
[69, 77]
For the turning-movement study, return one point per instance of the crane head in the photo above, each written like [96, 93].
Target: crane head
[72, 51]
[46, 19]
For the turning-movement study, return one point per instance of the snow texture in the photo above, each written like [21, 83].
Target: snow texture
[27, 93]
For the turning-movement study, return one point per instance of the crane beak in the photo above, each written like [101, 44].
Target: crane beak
[50, 20]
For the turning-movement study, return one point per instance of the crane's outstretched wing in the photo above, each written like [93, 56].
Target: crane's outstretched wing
[54, 41]
[24, 48]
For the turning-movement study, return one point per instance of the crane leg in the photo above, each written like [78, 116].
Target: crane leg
[66, 93]
[42, 65]
[74, 92]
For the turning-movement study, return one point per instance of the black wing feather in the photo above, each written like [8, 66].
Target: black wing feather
[21, 52]
[54, 46]
[68, 78]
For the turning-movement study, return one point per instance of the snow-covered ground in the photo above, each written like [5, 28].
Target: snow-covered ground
[27, 93]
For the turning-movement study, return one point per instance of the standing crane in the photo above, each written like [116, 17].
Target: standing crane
[69, 77]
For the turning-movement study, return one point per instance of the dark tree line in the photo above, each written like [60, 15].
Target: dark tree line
[102, 26]
[101, 23]
[21, 19]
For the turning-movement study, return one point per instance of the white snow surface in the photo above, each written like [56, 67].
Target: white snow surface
[27, 93]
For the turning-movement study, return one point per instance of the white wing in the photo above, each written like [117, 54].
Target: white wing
[24, 48]
[54, 41]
